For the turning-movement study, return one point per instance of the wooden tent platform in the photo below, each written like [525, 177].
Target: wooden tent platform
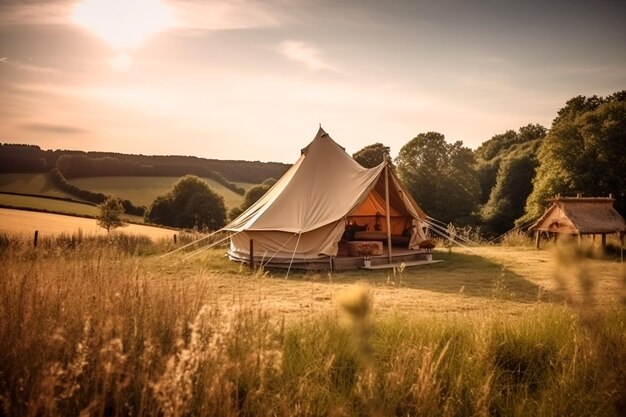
[343, 263]
[399, 265]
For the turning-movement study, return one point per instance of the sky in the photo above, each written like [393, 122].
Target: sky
[253, 80]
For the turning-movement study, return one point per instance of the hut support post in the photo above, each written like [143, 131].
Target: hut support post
[580, 238]
[603, 240]
[387, 211]
[537, 239]
[251, 254]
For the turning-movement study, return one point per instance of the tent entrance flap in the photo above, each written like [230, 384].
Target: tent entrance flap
[383, 209]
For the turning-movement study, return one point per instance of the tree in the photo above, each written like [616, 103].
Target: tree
[160, 211]
[269, 181]
[372, 155]
[190, 204]
[490, 154]
[253, 195]
[110, 214]
[513, 185]
[584, 152]
[234, 212]
[506, 168]
[440, 176]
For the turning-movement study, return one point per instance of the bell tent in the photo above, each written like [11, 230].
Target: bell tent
[324, 199]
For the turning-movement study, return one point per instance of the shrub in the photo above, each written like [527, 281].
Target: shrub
[190, 204]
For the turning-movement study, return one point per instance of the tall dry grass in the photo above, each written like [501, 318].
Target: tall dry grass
[90, 330]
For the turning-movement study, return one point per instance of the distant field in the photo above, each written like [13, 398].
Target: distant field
[143, 190]
[41, 203]
[31, 184]
[26, 222]
[48, 204]
[139, 190]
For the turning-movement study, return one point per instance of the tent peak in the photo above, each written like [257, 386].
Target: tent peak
[321, 136]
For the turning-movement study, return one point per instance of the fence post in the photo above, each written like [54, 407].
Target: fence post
[36, 238]
[174, 238]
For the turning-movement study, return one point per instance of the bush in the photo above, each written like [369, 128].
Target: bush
[190, 204]
[516, 237]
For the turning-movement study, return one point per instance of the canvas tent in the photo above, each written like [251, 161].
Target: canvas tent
[304, 215]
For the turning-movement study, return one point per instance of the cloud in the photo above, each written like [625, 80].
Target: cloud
[305, 54]
[27, 67]
[190, 17]
[30, 12]
[52, 128]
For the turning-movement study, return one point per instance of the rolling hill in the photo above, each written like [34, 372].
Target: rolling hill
[143, 190]
[140, 190]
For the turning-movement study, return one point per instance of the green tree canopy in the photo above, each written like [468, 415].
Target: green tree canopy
[269, 181]
[190, 204]
[506, 168]
[372, 155]
[440, 176]
[110, 214]
[507, 198]
[490, 154]
[252, 196]
[584, 152]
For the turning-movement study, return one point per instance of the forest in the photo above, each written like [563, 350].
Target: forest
[509, 180]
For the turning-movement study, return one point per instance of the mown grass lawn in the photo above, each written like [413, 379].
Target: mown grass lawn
[485, 281]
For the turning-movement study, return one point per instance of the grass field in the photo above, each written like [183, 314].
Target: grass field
[26, 222]
[42, 203]
[38, 184]
[139, 190]
[486, 281]
[89, 327]
[143, 190]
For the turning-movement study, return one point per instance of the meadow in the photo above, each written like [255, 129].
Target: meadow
[25, 223]
[36, 184]
[143, 190]
[139, 190]
[107, 326]
[36, 203]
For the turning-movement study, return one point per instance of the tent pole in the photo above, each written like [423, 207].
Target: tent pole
[387, 211]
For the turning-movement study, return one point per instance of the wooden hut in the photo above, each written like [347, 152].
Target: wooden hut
[579, 216]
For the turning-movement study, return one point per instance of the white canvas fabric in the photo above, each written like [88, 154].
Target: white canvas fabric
[304, 214]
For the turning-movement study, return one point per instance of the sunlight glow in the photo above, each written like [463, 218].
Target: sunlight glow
[121, 62]
[123, 24]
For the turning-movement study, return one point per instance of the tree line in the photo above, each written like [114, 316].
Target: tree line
[75, 166]
[16, 158]
[510, 178]
[57, 178]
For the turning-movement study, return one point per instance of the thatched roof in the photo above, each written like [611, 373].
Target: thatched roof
[581, 215]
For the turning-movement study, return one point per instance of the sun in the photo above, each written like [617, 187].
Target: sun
[123, 24]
